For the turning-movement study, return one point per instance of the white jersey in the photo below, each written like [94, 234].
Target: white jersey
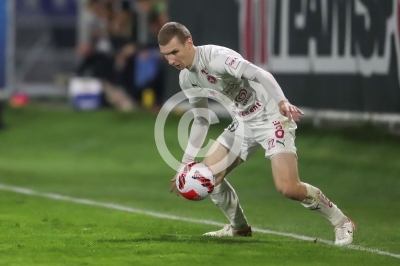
[218, 70]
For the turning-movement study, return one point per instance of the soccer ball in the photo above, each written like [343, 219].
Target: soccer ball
[195, 181]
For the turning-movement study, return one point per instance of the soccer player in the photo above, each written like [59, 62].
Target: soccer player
[268, 119]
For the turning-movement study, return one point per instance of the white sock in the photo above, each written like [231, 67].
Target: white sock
[225, 198]
[317, 201]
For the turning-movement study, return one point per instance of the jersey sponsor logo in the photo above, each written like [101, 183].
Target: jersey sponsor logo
[232, 62]
[241, 95]
[248, 98]
[257, 106]
[230, 88]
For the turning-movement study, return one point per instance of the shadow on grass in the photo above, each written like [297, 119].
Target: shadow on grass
[192, 239]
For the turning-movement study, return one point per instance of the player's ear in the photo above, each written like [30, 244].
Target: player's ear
[189, 41]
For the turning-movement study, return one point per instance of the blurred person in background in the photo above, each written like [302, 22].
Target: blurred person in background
[268, 120]
[95, 47]
[122, 42]
[120, 48]
[98, 52]
[142, 70]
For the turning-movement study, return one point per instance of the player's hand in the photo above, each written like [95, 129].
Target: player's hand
[173, 185]
[289, 110]
[173, 180]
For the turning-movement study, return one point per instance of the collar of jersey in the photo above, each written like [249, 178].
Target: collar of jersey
[193, 67]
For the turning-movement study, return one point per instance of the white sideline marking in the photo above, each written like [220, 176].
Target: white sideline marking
[112, 206]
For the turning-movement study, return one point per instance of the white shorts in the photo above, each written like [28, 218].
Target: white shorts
[274, 135]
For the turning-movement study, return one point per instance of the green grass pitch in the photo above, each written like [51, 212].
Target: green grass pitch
[111, 160]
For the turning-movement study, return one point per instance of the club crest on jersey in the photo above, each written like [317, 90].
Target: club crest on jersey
[210, 78]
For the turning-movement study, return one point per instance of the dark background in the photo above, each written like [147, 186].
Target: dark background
[216, 22]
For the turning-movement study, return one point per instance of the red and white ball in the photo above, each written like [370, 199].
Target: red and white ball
[195, 181]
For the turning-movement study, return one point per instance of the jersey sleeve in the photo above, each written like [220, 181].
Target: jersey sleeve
[192, 92]
[229, 65]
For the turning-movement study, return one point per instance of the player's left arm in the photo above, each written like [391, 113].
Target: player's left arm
[254, 73]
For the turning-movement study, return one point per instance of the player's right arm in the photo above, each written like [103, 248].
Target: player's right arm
[200, 125]
[254, 73]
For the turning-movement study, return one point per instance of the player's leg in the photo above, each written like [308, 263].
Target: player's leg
[221, 162]
[224, 196]
[281, 150]
[284, 169]
[287, 182]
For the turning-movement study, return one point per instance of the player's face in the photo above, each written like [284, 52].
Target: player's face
[180, 55]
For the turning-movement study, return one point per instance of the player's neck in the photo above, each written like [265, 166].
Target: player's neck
[192, 57]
